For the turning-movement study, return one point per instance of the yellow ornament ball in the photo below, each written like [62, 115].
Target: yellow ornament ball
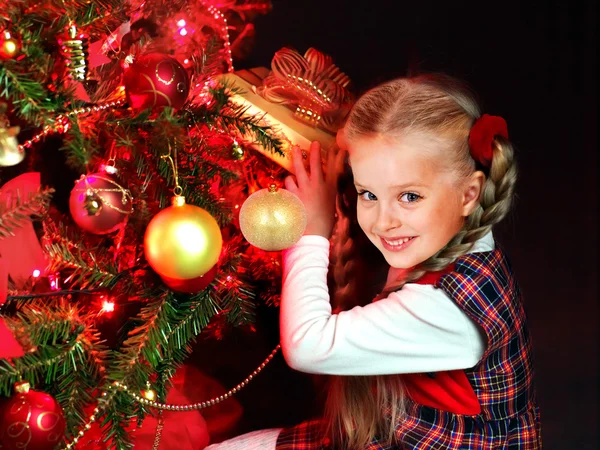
[272, 219]
[182, 241]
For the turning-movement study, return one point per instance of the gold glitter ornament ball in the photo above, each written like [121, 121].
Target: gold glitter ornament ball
[272, 219]
[182, 241]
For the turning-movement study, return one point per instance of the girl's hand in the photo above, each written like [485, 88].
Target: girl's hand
[318, 190]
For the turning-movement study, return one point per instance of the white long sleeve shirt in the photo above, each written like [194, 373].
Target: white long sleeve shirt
[417, 329]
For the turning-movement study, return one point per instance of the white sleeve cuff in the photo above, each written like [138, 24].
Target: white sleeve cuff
[256, 440]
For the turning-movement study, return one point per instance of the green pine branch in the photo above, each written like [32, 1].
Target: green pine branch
[235, 117]
[239, 305]
[79, 146]
[26, 81]
[94, 17]
[28, 96]
[237, 297]
[208, 64]
[32, 366]
[129, 368]
[81, 264]
[167, 326]
[232, 117]
[167, 131]
[23, 211]
[117, 410]
[252, 127]
[68, 359]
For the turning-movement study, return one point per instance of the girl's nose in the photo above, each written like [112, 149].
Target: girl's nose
[387, 219]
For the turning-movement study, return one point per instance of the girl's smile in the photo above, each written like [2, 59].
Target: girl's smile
[396, 244]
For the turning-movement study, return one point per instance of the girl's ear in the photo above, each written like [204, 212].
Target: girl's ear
[471, 192]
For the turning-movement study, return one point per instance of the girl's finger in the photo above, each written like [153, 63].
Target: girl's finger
[316, 172]
[290, 184]
[299, 169]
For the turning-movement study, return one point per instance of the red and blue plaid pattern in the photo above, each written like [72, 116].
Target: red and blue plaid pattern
[307, 435]
[483, 286]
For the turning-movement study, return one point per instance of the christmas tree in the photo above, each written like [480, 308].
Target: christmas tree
[131, 103]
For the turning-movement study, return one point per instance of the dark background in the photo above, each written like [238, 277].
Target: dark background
[534, 63]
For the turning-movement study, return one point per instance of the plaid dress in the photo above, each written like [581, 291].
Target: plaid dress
[483, 286]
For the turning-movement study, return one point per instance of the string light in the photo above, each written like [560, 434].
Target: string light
[108, 306]
[54, 281]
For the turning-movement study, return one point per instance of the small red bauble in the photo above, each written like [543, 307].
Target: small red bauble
[99, 204]
[10, 45]
[156, 80]
[30, 420]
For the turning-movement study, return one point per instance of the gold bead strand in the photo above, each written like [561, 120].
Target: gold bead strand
[91, 420]
[159, 429]
[200, 405]
[81, 432]
[218, 15]
[62, 124]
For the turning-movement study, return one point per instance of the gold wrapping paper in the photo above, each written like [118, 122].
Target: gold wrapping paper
[291, 130]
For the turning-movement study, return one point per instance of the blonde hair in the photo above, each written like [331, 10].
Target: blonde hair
[444, 107]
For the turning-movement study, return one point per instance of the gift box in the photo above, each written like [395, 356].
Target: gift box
[304, 98]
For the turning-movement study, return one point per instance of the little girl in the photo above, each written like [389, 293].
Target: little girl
[441, 359]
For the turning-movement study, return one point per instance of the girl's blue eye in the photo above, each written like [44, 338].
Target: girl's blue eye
[367, 196]
[410, 197]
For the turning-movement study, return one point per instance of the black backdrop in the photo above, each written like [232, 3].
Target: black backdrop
[533, 63]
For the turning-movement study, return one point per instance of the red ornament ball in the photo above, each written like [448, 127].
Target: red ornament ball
[156, 80]
[99, 204]
[10, 45]
[30, 420]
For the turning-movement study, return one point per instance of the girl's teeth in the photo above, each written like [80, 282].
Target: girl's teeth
[398, 242]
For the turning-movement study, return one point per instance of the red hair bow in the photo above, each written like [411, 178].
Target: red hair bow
[482, 135]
